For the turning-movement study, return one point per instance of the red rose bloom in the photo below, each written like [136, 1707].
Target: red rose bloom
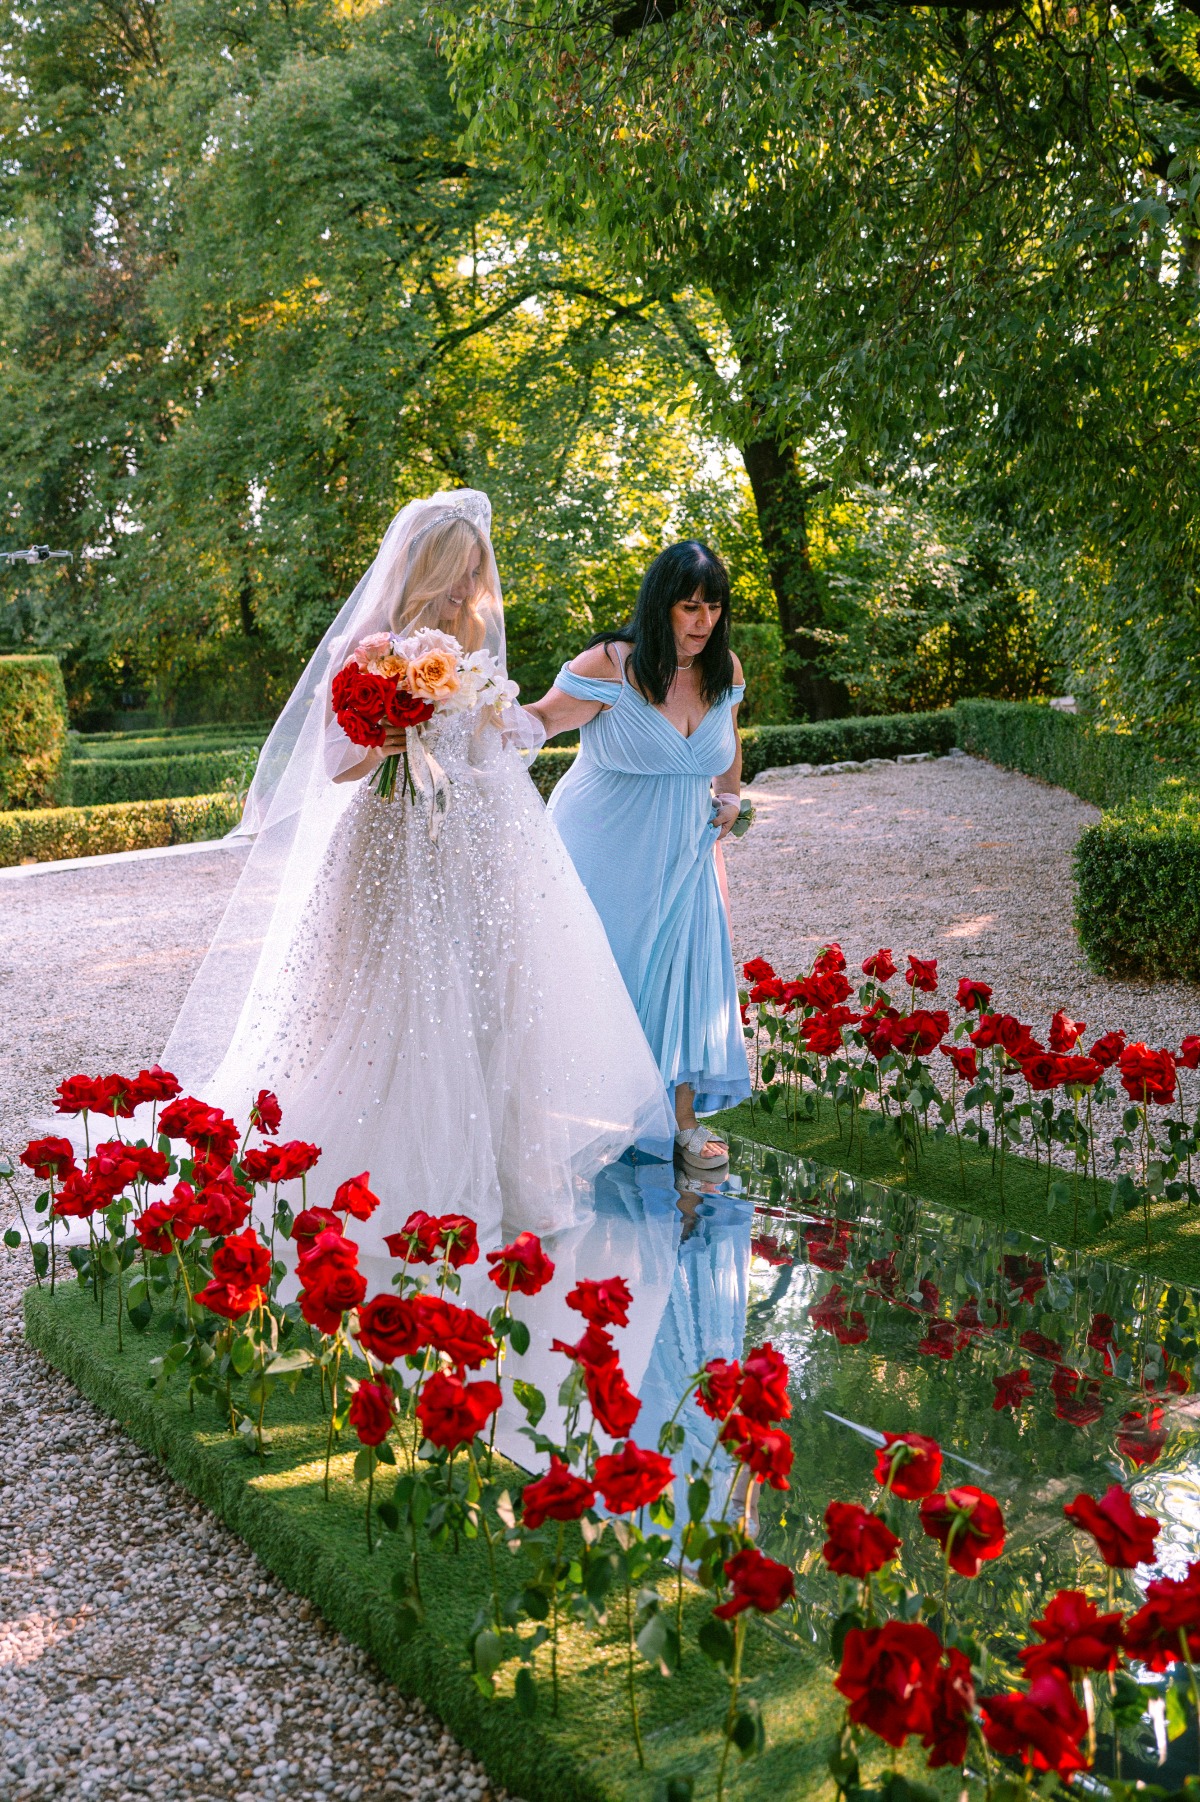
[918, 1032]
[154, 1084]
[1044, 1727]
[764, 1392]
[359, 701]
[1147, 1075]
[1043, 1071]
[614, 1404]
[292, 1160]
[1124, 1537]
[329, 1251]
[257, 1164]
[521, 1268]
[559, 1495]
[922, 974]
[389, 1328]
[824, 989]
[770, 989]
[405, 709]
[1168, 1619]
[265, 1112]
[758, 1582]
[153, 1228]
[1108, 1048]
[1189, 1052]
[79, 1095]
[718, 1388]
[888, 1677]
[595, 1348]
[1141, 1439]
[912, 1462]
[310, 1223]
[416, 1242]
[602, 1304]
[463, 1335]
[859, 1542]
[205, 1128]
[830, 960]
[354, 1197]
[1080, 1072]
[1039, 1346]
[822, 1035]
[766, 1451]
[457, 1241]
[1065, 1034]
[952, 1703]
[881, 965]
[973, 995]
[1013, 1387]
[631, 1478]
[229, 1300]
[968, 1524]
[964, 1060]
[222, 1207]
[49, 1157]
[372, 1411]
[1076, 1638]
[452, 1412]
[243, 1261]
[757, 970]
[330, 1298]
[145, 1161]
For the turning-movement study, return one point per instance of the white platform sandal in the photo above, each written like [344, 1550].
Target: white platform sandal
[689, 1147]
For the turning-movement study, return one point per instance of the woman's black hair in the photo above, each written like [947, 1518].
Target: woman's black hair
[675, 574]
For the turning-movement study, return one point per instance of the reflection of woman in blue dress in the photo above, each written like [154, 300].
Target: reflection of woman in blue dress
[654, 788]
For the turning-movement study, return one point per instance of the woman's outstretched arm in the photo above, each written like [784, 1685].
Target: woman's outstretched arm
[561, 712]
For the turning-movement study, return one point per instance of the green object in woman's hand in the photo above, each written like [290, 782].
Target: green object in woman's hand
[745, 818]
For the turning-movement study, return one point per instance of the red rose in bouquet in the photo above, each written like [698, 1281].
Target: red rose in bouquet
[360, 704]
[521, 1268]
[456, 1240]
[389, 1328]
[206, 1129]
[769, 989]
[257, 1163]
[372, 1412]
[757, 1582]
[968, 1524]
[613, 1402]
[1123, 1537]
[631, 1478]
[859, 1542]
[452, 1412]
[823, 1034]
[888, 1676]
[559, 1495]
[823, 989]
[604, 1303]
[913, 1464]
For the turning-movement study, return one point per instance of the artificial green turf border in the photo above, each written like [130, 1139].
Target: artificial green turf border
[1174, 1226]
[318, 1549]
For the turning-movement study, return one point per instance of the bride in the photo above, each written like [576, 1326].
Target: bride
[422, 981]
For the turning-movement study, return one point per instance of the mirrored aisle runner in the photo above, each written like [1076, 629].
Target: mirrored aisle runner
[1039, 1371]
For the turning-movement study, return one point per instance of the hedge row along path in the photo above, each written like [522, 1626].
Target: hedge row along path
[113, 1693]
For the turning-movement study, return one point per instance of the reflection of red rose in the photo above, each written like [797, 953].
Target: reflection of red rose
[1044, 1727]
[1012, 1388]
[1123, 1537]
[1140, 1437]
[953, 1703]
[887, 1677]
[1075, 1636]
[859, 1542]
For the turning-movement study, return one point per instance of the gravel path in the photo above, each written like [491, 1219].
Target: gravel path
[142, 1647]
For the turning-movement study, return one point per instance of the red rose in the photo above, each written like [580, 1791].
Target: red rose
[404, 709]
[1039, 1346]
[858, 1542]
[968, 1525]
[822, 1035]
[1043, 1071]
[1076, 1637]
[770, 989]
[881, 965]
[1189, 1052]
[416, 1242]
[614, 1404]
[329, 1251]
[222, 1207]
[1108, 1048]
[1141, 1440]
[310, 1223]
[922, 974]
[292, 1160]
[372, 1411]
[153, 1228]
[521, 1268]
[229, 1299]
[265, 1112]
[766, 1451]
[602, 1304]
[1044, 1727]
[359, 700]
[1080, 1072]
[758, 1582]
[78, 1095]
[764, 1393]
[918, 1032]
[909, 1464]
[331, 1297]
[830, 960]
[151, 1165]
[1147, 1075]
[49, 1157]
[1013, 1387]
[559, 1495]
[824, 989]
[154, 1084]
[257, 1164]
[452, 1412]
[757, 970]
[718, 1388]
[462, 1334]
[457, 1240]
[1065, 1034]
[888, 1677]
[767, 1247]
[595, 1348]
[828, 1244]
[973, 995]
[1124, 1537]
[952, 1702]
[243, 1261]
[205, 1128]
[389, 1328]
[964, 1060]
[354, 1197]
[630, 1478]
[1169, 1618]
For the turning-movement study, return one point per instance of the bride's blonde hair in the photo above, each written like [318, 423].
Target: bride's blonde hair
[437, 556]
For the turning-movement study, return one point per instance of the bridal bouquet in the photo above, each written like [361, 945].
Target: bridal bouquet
[403, 682]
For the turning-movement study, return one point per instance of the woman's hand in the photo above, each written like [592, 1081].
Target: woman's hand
[726, 814]
[395, 740]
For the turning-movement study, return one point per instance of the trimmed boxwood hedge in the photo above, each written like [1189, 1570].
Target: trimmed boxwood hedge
[96, 780]
[45, 834]
[1103, 767]
[33, 732]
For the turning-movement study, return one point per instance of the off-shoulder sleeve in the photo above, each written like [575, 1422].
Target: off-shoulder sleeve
[586, 688]
[736, 693]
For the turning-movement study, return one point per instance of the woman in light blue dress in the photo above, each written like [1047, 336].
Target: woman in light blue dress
[655, 787]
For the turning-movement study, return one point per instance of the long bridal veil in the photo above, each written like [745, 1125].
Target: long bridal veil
[293, 806]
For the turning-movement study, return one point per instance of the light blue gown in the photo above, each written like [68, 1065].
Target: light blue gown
[635, 813]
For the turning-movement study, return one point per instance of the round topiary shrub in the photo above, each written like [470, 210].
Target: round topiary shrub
[33, 733]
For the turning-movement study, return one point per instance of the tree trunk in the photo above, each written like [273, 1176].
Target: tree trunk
[781, 500]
